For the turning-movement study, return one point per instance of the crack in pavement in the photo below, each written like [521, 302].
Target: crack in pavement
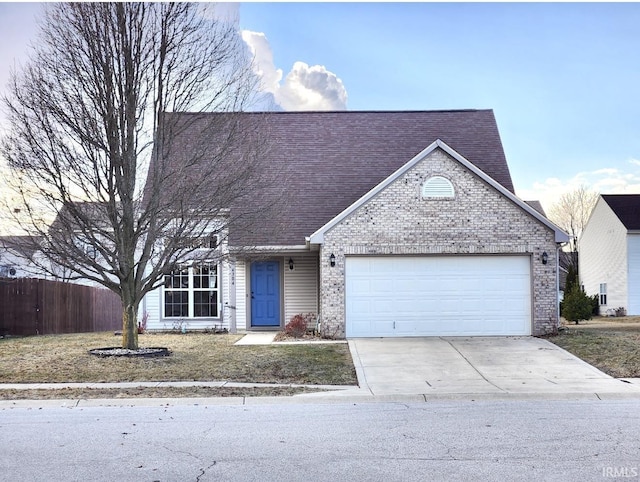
[473, 366]
[204, 471]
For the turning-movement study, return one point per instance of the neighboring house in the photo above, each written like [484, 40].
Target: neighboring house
[398, 224]
[16, 254]
[74, 244]
[564, 258]
[565, 261]
[609, 262]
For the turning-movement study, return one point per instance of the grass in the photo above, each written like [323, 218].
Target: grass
[194, 357]
[144, 392]
[610, 344]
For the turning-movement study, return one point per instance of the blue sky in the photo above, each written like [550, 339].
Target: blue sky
[562, 79]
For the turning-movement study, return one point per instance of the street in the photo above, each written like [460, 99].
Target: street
[452, 440]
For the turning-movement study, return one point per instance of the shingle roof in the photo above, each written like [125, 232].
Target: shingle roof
[626, 207]
[24, 245]
[334, 158]
[537, 205]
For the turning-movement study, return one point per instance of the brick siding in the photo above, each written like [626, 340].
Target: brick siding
[478, 220]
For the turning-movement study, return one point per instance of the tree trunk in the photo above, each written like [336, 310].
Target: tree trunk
[130, 328]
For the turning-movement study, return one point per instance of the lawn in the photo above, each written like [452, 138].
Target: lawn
[610, 344]
[200, 357]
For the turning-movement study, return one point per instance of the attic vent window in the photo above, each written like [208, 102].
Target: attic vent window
[437, 187]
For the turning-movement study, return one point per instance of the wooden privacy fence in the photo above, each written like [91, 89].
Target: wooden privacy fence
[30, 306]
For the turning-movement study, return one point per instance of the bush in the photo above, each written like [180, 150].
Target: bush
[577, 305]
[595, 305]
[571, 280]
[297, 326]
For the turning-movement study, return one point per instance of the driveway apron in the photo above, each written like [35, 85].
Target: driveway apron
[475, 365]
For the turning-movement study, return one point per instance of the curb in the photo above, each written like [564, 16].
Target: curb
[351, 396]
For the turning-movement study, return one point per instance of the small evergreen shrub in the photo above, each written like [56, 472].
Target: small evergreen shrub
[572, 279]
[595, 305]
[577, 306]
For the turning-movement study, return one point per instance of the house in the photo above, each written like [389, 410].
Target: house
[17, 257]
[395, 224]
[565, 258]
[609, 262]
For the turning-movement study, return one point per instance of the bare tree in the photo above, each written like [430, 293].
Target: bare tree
[571, 212]
[94, 114]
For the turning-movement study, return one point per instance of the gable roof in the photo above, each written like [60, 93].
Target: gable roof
[537, 205]
[334, 158]
[24, 245]
[560, 236]
[626, 207]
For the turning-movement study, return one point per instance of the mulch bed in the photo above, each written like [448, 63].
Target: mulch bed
[150, 352]
[282, 336]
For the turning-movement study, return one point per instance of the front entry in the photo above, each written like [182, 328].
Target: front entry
[265, 294]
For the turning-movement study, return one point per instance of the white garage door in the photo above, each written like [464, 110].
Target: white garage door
[438, 296]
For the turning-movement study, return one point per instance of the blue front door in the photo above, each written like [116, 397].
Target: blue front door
[265, 294]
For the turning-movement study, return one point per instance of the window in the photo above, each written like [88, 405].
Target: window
[205, 242]
[176, 294]
[603, 293]
[438, 187]
[205, 291]
[192, 292]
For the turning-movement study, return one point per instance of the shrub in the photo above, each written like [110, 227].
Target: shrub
[142, 325]
[577, 305]
[297, 326]
[572, 279]
[595, 305]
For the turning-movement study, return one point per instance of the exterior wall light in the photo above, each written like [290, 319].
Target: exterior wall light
[544, 257]
[290, 264]
[332, 260]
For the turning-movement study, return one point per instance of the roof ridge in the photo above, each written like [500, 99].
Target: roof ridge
[294, 112]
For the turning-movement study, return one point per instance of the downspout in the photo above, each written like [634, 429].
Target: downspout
[558, 249]
[232, 297]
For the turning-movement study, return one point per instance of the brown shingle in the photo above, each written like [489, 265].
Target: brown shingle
[537, 206]
[333, 158]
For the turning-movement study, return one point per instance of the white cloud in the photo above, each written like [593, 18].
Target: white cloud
[304, 88]
[263, 64]
[609, 171]
[312, 88]
[603, 181]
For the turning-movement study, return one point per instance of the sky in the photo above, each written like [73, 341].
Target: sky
[563, 79]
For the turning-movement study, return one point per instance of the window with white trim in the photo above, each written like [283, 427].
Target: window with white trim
[192, 292]
[603, 293]
[437, 187]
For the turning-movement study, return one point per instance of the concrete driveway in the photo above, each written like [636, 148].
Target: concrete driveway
[453, 366]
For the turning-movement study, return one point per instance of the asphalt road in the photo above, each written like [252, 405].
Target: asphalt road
[457, 440]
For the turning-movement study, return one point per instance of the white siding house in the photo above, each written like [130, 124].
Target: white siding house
[609, 262]
[20, 259]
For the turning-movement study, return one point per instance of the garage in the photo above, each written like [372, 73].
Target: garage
[455, 295]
